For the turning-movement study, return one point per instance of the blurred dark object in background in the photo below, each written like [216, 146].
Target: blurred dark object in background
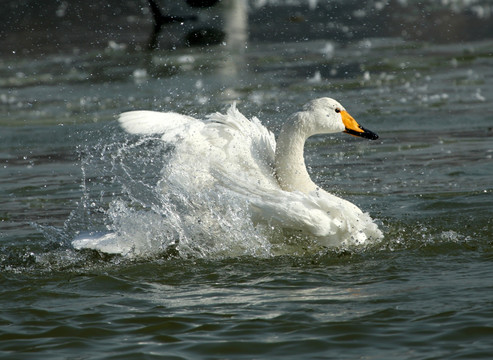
[35, 28]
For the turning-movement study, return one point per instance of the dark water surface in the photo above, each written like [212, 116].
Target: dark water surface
[424, 292]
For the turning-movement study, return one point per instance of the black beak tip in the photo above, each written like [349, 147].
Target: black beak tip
[367, 134]
[371, 135]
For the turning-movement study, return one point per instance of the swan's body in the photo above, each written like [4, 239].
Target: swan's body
[241, 155]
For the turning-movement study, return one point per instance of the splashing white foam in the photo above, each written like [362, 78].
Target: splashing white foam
[142, 220]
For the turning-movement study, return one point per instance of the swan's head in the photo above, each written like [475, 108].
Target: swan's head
[326, 115]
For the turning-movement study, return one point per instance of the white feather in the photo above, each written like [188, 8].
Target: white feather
[143, 122]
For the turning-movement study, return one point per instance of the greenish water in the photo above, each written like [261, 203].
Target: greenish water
[423, 292]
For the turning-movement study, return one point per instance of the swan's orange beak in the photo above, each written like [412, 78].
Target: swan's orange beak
[355, 129]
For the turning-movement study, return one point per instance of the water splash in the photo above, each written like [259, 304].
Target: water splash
[124, 210]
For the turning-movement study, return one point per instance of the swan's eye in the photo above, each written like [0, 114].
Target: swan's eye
[337, 110]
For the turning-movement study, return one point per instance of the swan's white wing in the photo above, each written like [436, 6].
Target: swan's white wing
[260, 140]
[152, 122]
[228, 141]
[333, 220]
[220, 130]
[296, 211]
[289, 210]
[225, 143]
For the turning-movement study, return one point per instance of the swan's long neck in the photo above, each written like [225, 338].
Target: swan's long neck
[290, 163]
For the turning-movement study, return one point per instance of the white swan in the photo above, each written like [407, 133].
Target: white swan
[241, 155]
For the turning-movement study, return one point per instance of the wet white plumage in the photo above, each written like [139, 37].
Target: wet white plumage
[241, 155]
